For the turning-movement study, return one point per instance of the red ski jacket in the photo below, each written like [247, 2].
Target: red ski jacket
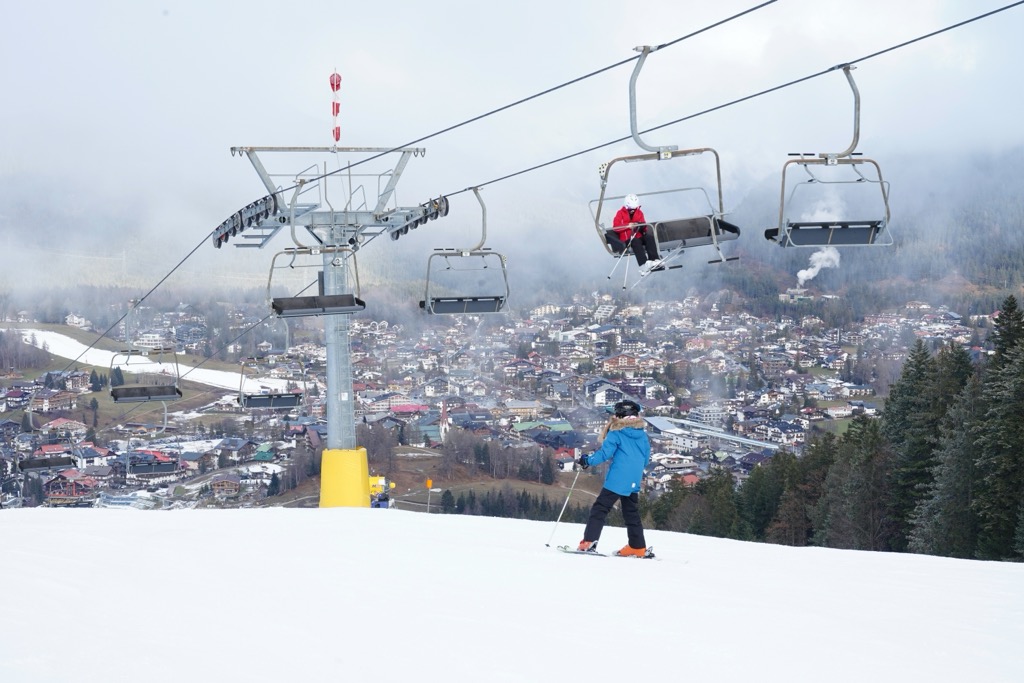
[620, 224]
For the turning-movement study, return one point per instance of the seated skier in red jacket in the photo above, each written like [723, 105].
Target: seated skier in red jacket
[629, 228]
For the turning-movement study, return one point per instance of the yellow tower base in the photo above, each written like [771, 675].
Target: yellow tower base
[344, 478]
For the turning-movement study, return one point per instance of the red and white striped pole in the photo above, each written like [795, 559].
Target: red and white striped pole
[336, 105]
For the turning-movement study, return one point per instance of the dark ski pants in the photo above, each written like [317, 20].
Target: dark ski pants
[630, 515]
[644, 247]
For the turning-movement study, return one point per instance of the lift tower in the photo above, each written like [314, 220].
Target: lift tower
[343, 198]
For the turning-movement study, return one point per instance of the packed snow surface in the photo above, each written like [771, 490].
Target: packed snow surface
[390, 595]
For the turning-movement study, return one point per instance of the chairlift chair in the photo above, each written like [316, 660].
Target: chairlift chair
[439, 300]
[142, 392]
[675, 234]
[271, 400]
[800, 225]
[320, 304]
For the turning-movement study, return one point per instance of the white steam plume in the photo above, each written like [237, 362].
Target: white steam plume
[827, 257]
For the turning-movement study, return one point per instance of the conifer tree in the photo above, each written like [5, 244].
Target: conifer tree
[792, 523]
[721, 516]
[953, 368]
[910, 423]
[944, 522]
[854, 511]
[762, 492]
[1008, 331]
[1000, 464]
[547, 470]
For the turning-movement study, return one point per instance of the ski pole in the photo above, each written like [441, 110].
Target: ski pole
[564, 505]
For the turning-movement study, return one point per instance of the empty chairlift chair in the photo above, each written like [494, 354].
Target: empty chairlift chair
[472, 280]
[842, 202]
[267, 399]
[157, 380]
[321, 303]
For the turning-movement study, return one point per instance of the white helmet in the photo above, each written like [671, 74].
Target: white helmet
[632, 201]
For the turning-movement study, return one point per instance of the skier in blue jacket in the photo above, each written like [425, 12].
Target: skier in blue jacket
[623, 441]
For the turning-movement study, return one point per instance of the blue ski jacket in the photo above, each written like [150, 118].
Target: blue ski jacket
[627, 446]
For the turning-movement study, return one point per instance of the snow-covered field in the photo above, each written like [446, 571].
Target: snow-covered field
[390, 595]
[66, 347]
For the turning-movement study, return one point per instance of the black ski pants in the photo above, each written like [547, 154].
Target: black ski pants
[644, 247]
[630, 515]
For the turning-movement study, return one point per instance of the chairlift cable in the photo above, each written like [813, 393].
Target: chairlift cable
[934, 33]
[197, 365]
[139, 301]
[589, 149]
[709, 27]
[743, 99]
[223, 346]
[529, 98]
[244, 332]
[433, 135]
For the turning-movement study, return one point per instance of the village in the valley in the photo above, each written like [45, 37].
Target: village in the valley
[719, 389]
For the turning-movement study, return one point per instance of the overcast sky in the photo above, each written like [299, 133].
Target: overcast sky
[119, 116]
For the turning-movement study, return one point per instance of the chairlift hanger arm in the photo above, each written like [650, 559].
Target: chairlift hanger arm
[662, 152]
[847, 68]
[483, 226]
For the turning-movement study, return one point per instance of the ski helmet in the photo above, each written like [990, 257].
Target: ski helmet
[627, 409]
[632, 201]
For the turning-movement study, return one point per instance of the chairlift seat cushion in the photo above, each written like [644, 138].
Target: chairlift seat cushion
[826, 233]
[142, 393]
[693, 232]
[333, 304]
[469, 304]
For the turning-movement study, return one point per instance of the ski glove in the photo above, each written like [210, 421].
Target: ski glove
[583, 462]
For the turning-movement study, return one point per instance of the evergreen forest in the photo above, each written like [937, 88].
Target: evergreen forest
[941, 472]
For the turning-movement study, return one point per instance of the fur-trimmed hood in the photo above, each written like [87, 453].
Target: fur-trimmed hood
[617, 423]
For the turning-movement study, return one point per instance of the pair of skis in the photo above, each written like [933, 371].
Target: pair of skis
[649, 555]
